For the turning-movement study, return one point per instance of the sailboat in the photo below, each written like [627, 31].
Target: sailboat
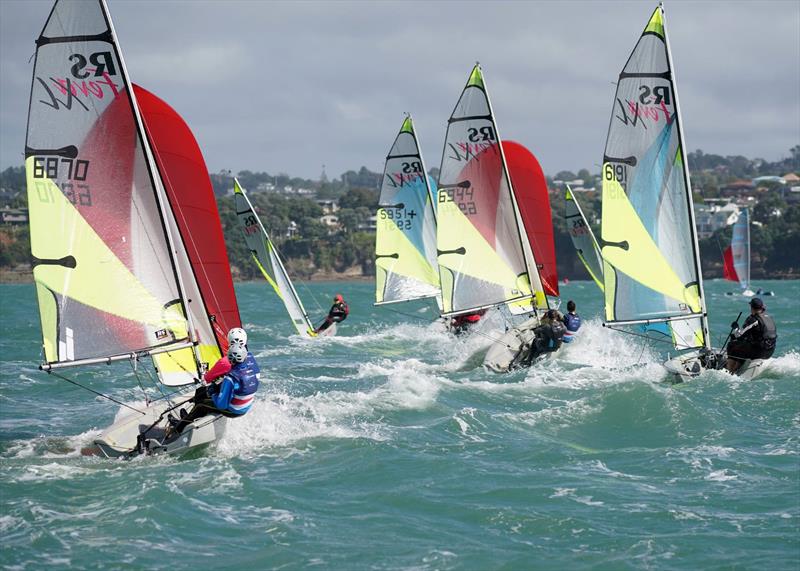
[129, 260]
[648, 238]
[269, 262]
[484, 259]
[736, 258]
[405, 239]
[583, 238]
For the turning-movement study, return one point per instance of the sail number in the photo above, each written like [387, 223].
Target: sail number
[461, 196]
[73, 172]
[401, 218]
[250, 225]
[618, 172]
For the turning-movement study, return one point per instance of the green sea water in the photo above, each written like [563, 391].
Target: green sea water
[388, 447]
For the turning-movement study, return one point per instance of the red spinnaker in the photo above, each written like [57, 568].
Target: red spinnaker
[728, 269]
[530, 188]
[191, 196]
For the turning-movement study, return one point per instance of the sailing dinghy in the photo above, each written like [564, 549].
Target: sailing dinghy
[736, 258]
[129, 259]
[484, 258]
[648, 238]
[269, 262]
[405, 241]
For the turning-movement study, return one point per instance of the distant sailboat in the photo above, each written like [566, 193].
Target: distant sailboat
[736, 258]
[648, 238]
[269, 262]
[405, 239]
[129, 257]
[583, 239]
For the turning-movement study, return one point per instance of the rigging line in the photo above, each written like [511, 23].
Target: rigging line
[654, 339]
[135, 367]
[112, 399]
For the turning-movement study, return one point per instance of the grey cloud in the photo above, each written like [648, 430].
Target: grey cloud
[291, 85]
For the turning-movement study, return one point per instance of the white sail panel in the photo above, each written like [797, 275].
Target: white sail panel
[483, 259]
[405, 240]
[268, 261]
[740, 248]
[583, 238]
[93, 202]
[647, 236]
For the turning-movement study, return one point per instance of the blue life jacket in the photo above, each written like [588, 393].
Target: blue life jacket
[245, 379]
[573, 323]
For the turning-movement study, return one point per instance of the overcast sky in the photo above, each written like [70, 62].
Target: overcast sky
[290, 86]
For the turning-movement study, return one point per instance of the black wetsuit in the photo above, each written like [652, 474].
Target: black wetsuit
[758, 341]
[338, 313]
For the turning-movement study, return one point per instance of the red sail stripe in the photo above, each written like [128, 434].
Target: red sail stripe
[728, 269]
[530, 188]
[192, 199]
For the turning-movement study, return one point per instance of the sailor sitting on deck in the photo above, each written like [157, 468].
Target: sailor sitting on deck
[338, 313]
[231, 397]
[572, 321]
[755, 340]
[550, 334]
[461, 323]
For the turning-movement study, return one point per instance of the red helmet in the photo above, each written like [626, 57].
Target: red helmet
[338, 298]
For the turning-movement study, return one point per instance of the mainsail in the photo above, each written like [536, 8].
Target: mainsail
[583, 238]
[269, 262]
[533, 199]
[483, 259]
[737, 255]
[112, 275]
[648, 242]
[405, 241]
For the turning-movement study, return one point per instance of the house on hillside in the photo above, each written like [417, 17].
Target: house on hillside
[331, 222]
[328, 206]
[13, 215]
[738, 189]
[711, 217]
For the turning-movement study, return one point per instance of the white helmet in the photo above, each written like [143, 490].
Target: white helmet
[237, 335]
[237, 353]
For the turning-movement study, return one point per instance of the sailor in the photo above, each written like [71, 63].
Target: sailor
[236, 336]
[549, 335]
[232, 396]
[461, 323]
[338, 313]
[756, 339]
[572, 322]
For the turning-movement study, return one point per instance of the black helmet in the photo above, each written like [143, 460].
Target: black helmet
[757, 303]
[570, 305]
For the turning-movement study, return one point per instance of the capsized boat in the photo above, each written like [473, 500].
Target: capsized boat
[484, 258]
[268, 260]
[648, 238]
[129, 260]
[736, 258]
[405, 240]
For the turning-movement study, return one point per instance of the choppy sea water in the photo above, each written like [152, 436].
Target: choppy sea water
[388, 447]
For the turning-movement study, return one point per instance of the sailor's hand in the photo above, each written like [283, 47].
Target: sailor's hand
[735, 325]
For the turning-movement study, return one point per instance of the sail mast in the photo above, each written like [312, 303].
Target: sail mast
[689, 197]
[152, 169]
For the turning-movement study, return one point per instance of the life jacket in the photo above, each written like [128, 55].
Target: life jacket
[769, 333]
[339, 312]
[245, 377]
[573, 323]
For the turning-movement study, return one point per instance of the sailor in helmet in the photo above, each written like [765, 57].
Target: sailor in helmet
[338, 313]
[234, 380]
[756, 339]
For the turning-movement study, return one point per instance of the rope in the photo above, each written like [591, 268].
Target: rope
[112, 399]
[647, 337]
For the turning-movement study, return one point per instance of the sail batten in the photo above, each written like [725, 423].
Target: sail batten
[483, 257]
[648, 241]
[405, 240]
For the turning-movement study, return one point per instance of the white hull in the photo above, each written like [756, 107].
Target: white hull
[122, 438]
[507, 353]
[686, 367]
